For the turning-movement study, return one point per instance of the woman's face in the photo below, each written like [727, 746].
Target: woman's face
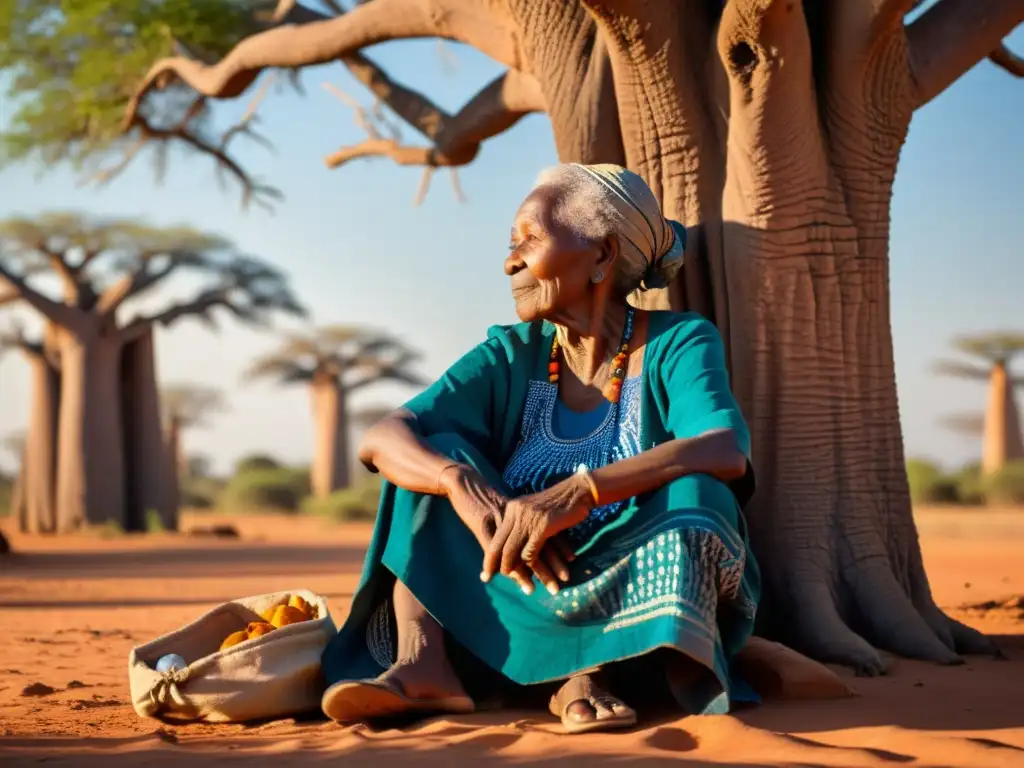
[551, 267]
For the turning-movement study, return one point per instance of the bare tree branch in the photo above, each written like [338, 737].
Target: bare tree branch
[964, 423]
[141, 279]
[252, 191]
[359, 27]
[249, 289]
[457, 140]
[15, 338]
[199, 306]
[961, 370]
[53, 311]
[292, 47]
[9, 297]
[108, 174]
[954, 35]
[1008, 60]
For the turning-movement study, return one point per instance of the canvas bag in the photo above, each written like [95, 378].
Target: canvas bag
[274, 675]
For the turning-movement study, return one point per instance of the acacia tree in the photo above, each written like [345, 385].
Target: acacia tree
[1002, 440]
[185, 406]
[771, 128]
[109, 459]
[336, 361]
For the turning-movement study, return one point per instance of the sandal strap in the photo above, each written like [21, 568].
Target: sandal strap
[581, 688]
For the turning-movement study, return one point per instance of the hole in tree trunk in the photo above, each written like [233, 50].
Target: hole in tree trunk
[742, 58]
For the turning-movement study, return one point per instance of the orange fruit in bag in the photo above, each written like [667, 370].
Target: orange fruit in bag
[286, 614]
[234, 639]
[258, 629]
[295, 601]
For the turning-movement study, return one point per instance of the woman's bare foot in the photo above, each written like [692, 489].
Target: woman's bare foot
[422, 680]
[424, 672]
[584, 705]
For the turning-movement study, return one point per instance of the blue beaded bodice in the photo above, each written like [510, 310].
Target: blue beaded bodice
[542, 459]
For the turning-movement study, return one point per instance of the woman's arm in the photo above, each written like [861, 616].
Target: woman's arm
[395, 447]
[531, 520]
[716, 453]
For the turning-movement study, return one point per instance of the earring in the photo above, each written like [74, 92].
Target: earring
[598, 277]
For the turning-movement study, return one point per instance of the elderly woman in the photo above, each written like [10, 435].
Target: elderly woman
[594, 450]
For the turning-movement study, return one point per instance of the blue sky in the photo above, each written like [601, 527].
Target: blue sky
[360, 253]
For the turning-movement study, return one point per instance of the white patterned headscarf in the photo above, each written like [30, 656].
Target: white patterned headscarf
[608, 199]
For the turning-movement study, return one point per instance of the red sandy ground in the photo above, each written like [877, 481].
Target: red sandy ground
[71, 608]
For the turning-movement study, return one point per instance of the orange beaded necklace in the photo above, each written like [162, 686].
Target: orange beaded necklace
[613, 389]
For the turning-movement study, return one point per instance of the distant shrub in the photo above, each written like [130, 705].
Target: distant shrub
[351, 504]
[256, 461]
[1007, 485]
[970, 485]
[111, 529]
[154, 522]
[200, 492]
[6, 494]
[269, 490]
[929, 485]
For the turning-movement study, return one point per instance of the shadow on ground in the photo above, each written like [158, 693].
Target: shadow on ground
[235, 559]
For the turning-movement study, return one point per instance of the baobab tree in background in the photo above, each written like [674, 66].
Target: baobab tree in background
[1002, 440]
[110, 459]
[15, 446]
[185, 406]
[335, 362]
[35, 507]
[771, 128]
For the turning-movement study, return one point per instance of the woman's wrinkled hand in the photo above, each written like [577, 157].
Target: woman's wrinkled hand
[481, 508]
[527, 532]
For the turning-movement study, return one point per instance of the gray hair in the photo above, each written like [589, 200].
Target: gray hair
[599, 201]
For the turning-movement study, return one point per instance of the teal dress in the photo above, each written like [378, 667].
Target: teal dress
[667, 569]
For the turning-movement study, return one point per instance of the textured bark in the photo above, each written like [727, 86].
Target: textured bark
[330, 470]
[772, 129]
[150, 485]
[1002, 423]
[40, 461]
[90, 460]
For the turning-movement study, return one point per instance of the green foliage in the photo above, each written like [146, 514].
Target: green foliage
[1007, 485]
[154, 523]
[72, 66]
[351, 504]
[970, 485]
[994, 347]
[110, 530]
[6, 494]
[929, 485]
[200, 492]
[278, 489]
[256, 461]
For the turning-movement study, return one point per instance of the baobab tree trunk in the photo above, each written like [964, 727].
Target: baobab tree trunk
[173, 459]
[90, 459]
[782, 164]
[150, 482]
[330, 470]
[19, 511]
[39, 464]
[1002, 423]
